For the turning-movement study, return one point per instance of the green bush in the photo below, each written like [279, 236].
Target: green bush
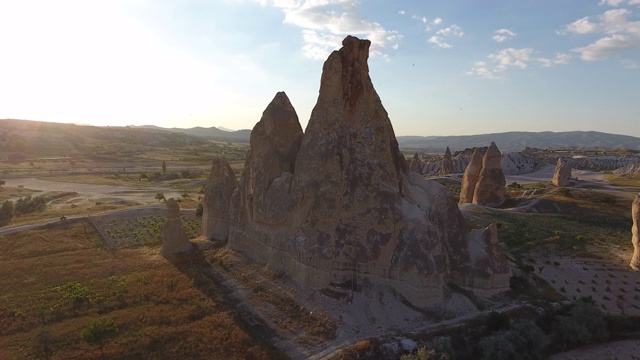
[6, 212]
[99, 332]
[524, 341]
[585, 324]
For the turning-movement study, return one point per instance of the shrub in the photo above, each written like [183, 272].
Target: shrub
[524, 341]
[584, 325]
[99, 332]
[6, 212]
[28, 204]
[199, 210]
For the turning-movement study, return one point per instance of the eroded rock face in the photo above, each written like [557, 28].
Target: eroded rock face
[635, 230]
[446, 166]
[174, 238]
[490, 270]
[348, 209]
[562, 174]
[215, 202]
[416, 164]
[275, 141]
[489, 189]
[470, 177]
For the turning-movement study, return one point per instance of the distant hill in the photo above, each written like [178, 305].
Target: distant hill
[518, 141]
[212, 132]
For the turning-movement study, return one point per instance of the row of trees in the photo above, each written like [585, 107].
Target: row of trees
[22, 206]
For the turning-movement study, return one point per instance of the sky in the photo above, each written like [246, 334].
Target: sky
[440, 67]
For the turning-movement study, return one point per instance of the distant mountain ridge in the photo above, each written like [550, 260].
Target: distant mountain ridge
[506, 141]
[519, 140]
[211, 132]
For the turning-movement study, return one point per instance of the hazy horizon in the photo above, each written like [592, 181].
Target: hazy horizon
[441, 69]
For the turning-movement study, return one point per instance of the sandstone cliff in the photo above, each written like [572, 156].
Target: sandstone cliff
[215, 202]
[338, 206]
[562, 173]
[174, 238]
[446, 165]
[470, 177]
[635, 230]
[489, 189]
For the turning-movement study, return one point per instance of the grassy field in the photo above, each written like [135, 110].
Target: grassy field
[63, 278]
[624, 180]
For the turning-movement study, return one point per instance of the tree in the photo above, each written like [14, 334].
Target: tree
[525, 341]
[164, 167]
[7, 211]
[99, 332]
[159, 196]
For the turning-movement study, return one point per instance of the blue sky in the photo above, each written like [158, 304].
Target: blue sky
[440, 67]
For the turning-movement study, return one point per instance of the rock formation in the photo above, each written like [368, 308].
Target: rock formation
[489, 189]
[446, 165]
[512, 163]
[562, 174]
[490, 269]
[515, 163]
[635, 230]
[338, 206]
[470, 177]
[174, 238]
[215, 202]
[416, 164]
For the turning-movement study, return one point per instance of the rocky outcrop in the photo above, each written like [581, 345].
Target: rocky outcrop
[174, 238]
[562, 174]
[446, 165]
[347, 210]
[489, 189]
[490, 270]
[215, 202]
[270, 163]
[629, 169]
[635, 230]
[416, 164]
[470, 177]
[515, 163]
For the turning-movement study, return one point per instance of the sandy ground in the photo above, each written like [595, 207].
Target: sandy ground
[89, 194]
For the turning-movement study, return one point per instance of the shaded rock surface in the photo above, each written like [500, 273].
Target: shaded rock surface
[562, 173]
[174, 238]
[446, 165]
[215, 202]
[489, 189]
[340, 207]
[490, 269]
[470, 177]
[635, 230]
[416, 164]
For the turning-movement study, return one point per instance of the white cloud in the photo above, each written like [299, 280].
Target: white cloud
[630, 64]
[611, 2]
[562, 59]
[502, 35]
[325, 23]
[402, 12]
[581, 26]
[438, 21]
[439, 38]
[511, 58]
[620, 34]
[438, 41]
[422, 19]
[482, 69]
[454, 30]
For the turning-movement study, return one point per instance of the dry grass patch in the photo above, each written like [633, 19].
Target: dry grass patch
[59, 279]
